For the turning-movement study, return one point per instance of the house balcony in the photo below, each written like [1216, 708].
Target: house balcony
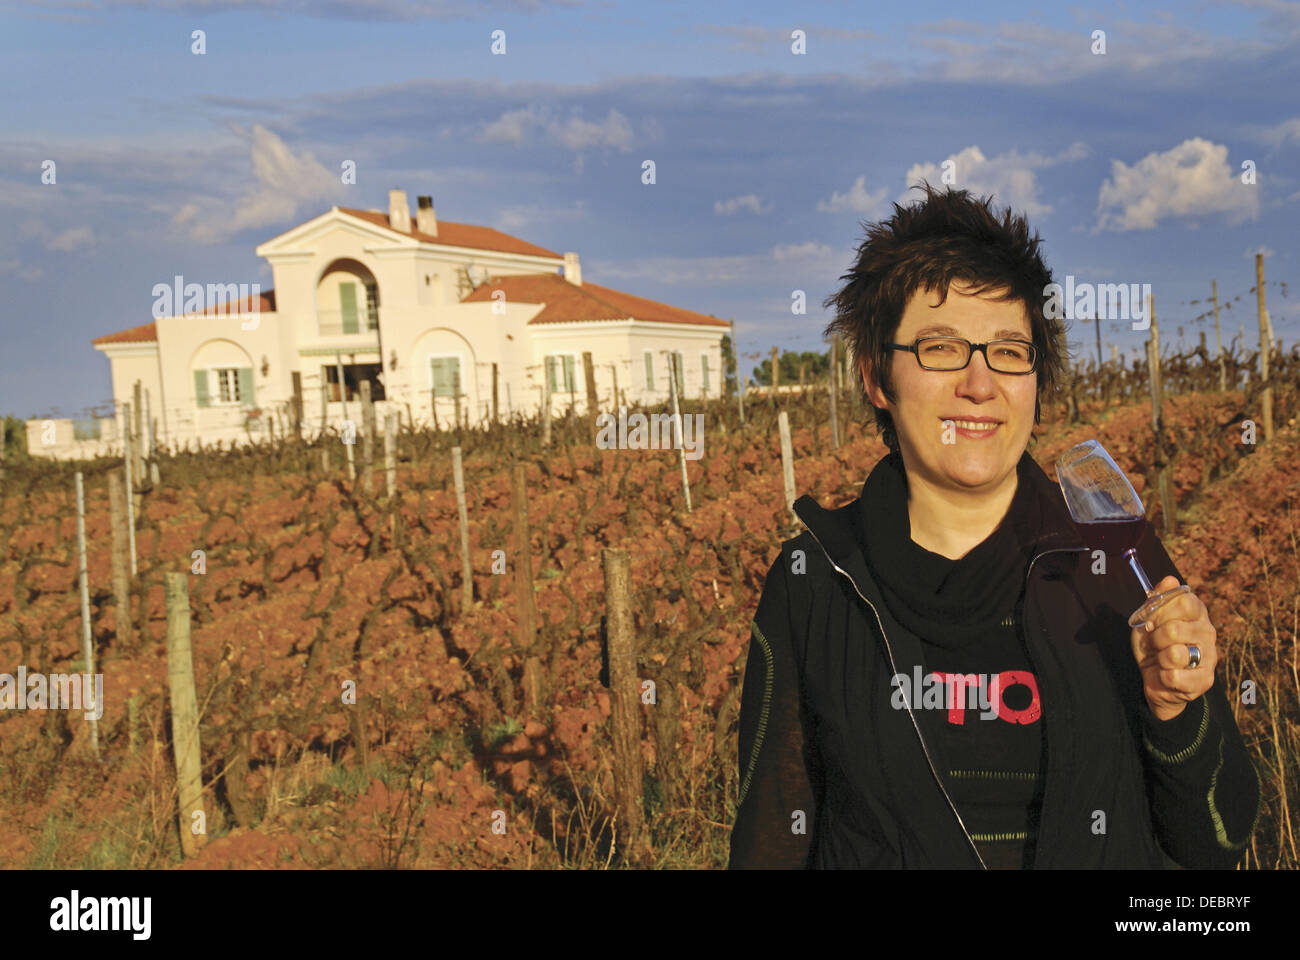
[359, 327]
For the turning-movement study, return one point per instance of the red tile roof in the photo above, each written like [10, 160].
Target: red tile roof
[147, 332]
[458, 235]
[141, 334]
[567, 302]
[266, 305]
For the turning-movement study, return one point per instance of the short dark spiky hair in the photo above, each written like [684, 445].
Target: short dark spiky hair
[946, 236]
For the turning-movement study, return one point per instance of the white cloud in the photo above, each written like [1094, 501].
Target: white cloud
[857, 200]
[72, 238]
[800, 251]
[1280, 133]
[21, 270]
[512, 219]
[1250, 252]
[800, 263]
[1192, 179]
[282, 185]
[571, 132]
[750, 201]
[1009, 177]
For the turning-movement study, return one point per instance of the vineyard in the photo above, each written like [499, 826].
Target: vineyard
[456, 755]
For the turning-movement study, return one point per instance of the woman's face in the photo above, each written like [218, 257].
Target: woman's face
[981, 457]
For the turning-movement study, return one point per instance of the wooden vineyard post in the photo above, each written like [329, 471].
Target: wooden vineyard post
[834, 391]
[787, 463]
[1265, 347]
[367, 434]
[496, 417]
[297, 404]
[523, 562]
[613, 369]
[589, 375]
[348, 441]
[740, 398]
[87, 651]
[546, 408]
[776, 375]
[185, 716]
[147, 442]
[534, 687]
[121, 574]
[735, 359]
[130, 487]
[466, 572]
[455, 391]
[1164, 485]
[625, 708]
[1218, 337]
[390, 453]
[673, 374]
[324, 418]
[390, 472]
[137, 434]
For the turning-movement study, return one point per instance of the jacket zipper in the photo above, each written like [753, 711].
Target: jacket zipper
[1038, 670]
[894, 668]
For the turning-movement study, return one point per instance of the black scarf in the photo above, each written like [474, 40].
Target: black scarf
[946, 602]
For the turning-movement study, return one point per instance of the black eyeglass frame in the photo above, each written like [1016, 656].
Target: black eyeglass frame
[914, 349]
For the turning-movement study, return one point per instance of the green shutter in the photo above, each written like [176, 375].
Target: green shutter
[348, 303]
[681, 375]
[649, 370]
[569, 379]
[201, 387]
[246, 387]
[444, 375]
[372, 306]
[704, 369]
[550, 374]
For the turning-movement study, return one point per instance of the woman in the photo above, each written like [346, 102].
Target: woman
[940, 673]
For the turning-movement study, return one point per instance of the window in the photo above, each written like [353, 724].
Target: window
[353, 374]
[704, 370]
[561, 363]
[227, 385]
[86, 429]
[372, 306]
[348, 306]
[649, 370]
[224, 386]
[681, 374]
[444, 376]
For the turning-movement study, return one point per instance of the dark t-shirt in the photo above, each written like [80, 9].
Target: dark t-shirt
[992, 737]
[964, 613]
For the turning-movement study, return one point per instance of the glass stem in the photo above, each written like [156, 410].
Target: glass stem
[1131, 555]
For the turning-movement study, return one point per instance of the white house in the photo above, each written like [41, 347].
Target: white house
[437, 304]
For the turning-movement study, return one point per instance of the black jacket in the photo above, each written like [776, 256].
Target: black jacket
[833, 776]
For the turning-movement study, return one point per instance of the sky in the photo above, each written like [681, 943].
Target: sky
[777, 133]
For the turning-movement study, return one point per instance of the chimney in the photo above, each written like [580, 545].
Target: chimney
[426, 221]
[572, 272]
[399, 214]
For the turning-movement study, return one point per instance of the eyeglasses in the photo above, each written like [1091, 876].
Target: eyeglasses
[953, 353]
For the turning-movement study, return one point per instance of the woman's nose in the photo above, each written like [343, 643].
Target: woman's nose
[978, 379]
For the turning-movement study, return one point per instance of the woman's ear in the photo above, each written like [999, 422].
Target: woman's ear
[874, 391]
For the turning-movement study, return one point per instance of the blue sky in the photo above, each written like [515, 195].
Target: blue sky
[1128, 163]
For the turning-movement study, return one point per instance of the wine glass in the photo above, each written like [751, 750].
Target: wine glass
[1108, 514]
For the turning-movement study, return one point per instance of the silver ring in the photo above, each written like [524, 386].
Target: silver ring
[1194, 656]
